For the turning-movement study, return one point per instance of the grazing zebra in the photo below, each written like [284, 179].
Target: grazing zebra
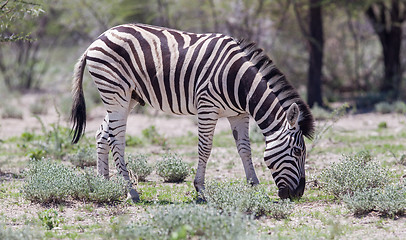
[208, 75]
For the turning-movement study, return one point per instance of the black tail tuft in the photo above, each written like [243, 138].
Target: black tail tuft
[78, 114]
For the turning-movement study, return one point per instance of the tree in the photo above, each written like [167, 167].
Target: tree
[316, 43]
[315, 39]
[386, 19]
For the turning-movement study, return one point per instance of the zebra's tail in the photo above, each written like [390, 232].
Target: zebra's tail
[78, 114]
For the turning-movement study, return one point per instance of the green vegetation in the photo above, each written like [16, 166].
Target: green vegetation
[354, 173]
[49, 218]
[388, 201]
[364, 186]
[172, 169]
[138, 165]
[395, 107]
[186, 222]
[10, 111]
[84, 157]
[19, 234]
[240, 196]
[154, 193]
[47, 181]
[151, 134]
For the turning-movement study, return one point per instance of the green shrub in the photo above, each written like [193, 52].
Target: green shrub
[384, 107]
[133, 141]
[360, 202]
[52, 182]
[240, 196]
[388, 201]
[97, 189]
[39, 108]
[400, 107]
[172, 169]
[48, 182]
[152, 135]
[382, 125]
[139, 166]
[49, 218]
[392, 200]
[10, 111]
[188, 222]
[84, 157]
[19, 234]
[354, 173]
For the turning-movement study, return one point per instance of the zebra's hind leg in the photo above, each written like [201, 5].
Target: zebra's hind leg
[103, 148]
[240, 128]
[206, 126]
[117, 127]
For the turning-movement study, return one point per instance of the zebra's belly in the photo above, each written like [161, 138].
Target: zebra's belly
[171, 104]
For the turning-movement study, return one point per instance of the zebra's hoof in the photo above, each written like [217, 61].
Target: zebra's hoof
[134, 196]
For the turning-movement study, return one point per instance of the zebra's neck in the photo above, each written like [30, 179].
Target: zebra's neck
[271, 95]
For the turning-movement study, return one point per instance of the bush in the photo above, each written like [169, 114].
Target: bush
[10, 111]
[400, 107]
[172, 169]
[188, 222]
[354, 173]
[52, 182]
[139, 166]
[49, 218]
[19, 234]
[240, 196]
[48, 182]
[384, 107]
[84, 157]
[100, 190]
[39, 108]
[388, 201]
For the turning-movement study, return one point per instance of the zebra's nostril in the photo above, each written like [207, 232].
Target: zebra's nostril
[283, 193]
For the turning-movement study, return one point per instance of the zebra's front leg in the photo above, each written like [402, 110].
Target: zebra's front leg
[206, 126]
[103, 149]
[240, 128]
[117, 128]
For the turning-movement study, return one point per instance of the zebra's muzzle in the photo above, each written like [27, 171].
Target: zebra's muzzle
[285, 192]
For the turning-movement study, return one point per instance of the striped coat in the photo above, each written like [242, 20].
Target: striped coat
[208, 75]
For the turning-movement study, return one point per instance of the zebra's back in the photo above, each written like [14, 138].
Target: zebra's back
[166, 68]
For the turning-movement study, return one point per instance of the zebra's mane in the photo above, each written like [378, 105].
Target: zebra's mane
[283, 90]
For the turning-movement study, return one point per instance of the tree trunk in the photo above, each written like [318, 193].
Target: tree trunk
[316, 42]
[387, 24]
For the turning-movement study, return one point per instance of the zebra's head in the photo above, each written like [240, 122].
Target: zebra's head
[285, 155]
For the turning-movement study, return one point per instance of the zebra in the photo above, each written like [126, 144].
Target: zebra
[210, 75]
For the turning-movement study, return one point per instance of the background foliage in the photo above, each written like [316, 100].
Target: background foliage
[354, 62]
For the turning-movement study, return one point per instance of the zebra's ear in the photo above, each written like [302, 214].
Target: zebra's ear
[293, 114]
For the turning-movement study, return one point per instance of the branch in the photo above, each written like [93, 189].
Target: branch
[299, 20]
[2, 6]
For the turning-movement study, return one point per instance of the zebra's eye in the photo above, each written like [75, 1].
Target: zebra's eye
[297, 152]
